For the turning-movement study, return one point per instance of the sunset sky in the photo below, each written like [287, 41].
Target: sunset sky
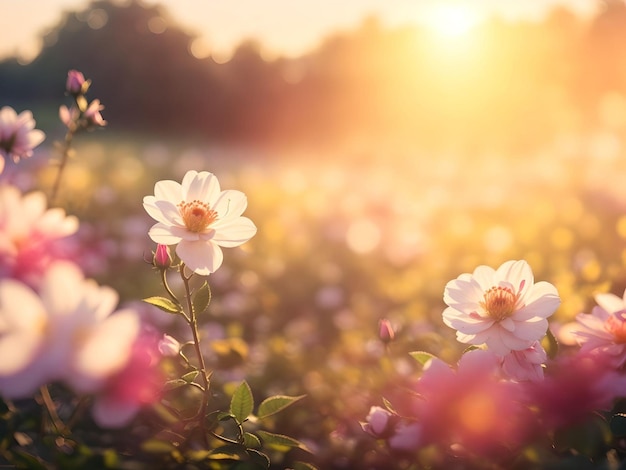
[283, 27]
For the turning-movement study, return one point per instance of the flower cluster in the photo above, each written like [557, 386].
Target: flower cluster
[505, 392]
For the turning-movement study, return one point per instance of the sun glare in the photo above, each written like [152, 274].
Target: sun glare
[452, 20]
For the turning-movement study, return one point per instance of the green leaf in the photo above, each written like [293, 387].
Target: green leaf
[172, 384]
[303, 466]
[259, 458]
[190, 376]
[157, 446]
[280, 440]
[228, 452]
[422, 357]
[202, 298]
[551, 345]
[618, 424]
[242, 402]
[251, 441]
[164, 304]
[274, 404]
[389, 406]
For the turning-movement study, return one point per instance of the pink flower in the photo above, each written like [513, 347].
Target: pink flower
[18, 136]
[92, 114]
[66, 332]
[75, 83]
[406, 437]
[471, 407]
[200, 218]
[504, 308]
[575, 387]
[604, 329]
[526, 364]
[385, 331]
[169, 346]
[31, 236]
[136, 385]
[68, 116]
[378, 422]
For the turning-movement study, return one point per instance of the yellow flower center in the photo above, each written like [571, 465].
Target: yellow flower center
[499, 302]
[197, 215]
[616, 325]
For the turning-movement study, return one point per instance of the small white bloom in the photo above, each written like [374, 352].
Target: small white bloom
[199, 218]
[169, 346]
[504, 308]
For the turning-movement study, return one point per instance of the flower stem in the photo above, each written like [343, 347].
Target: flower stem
[193, 323]
[52, 410]
[67, 144]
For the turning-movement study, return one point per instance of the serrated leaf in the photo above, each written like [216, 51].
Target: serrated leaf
[190, 376]
[242, 402]
[271, 439]
[202, 298]
[251, 441]
[273, 405]
[303, 466]
[422, 356]
[618, 424]
[164, 304]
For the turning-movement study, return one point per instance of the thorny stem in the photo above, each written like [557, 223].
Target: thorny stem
[193, 323]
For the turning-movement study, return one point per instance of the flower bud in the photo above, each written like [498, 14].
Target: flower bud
[162, 258]
[385, 331]
[169, 346]
[75, 83]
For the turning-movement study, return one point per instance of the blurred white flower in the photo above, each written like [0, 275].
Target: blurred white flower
[200, 218]
[18, 136]
[604, 329]
[504, 308]
[65, 333]
[31, 235]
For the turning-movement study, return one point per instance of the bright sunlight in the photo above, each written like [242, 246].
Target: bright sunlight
[452, 20]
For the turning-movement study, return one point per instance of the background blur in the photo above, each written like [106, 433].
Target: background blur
[379, 164]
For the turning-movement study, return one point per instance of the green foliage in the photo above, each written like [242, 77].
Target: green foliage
[164, 304]
[202, 298]
[280, 441]
[550, 344]
[422, 357]
[242, 402]
[273, 405]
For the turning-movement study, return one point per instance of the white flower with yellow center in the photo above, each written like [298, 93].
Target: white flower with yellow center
[504, 308]
[199, 218]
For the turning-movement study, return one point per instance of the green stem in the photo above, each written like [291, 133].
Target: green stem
[67, 144]
[52, 410]
[170, 293]
[193, 323]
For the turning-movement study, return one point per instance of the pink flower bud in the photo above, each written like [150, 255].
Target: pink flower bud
[75, 82]
[162, 258]
[385, 331]
[169, 346]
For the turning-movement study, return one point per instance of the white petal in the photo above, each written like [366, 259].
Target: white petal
[235, 233]
[107, 349]
[484, 275]
[202, 186]
[18, 350]
[542, 299]
[463, 295]
[168, 190]
[609, 302]
[464, 323]
[200, 256]
[161, 233]
[20, 308]
[531, 331]
[518, 273]
[230, 204]
[62, 288]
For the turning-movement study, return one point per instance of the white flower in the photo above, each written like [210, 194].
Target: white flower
[200, 218]
[502, 308]
[18, 135]
[64, 333]
[604, 329]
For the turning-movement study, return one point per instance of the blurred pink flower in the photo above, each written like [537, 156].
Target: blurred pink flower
[31, 237]
[200, 218]
[526, 364]
[385, 331]
[575, 387]
[378, 422]
[471, 407]
[605, 328]
[75, 82]
[406, 437]
[138, 384]
[92, 114]
[68, 116]
[502, 308]
[18, 136]
[65, 333]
